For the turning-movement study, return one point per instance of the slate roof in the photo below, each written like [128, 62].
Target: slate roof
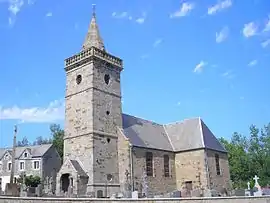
[180, 136]
[144, 133]
[36, 150]
[78, 168]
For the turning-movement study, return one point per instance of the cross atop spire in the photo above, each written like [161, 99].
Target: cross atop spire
[94, 10]
[93, 38]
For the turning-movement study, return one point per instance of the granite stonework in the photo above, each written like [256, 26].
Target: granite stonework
[262, 199]
[105, 150]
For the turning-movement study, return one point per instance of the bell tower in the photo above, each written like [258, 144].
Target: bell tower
[93, 113]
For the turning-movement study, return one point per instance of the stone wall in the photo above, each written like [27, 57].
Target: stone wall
[263, 199]
[158, 184]
[221, 181]
[190, 167]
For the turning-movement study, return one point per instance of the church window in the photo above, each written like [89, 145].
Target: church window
[166, 165]
[109, 177]
[108, 140]
[79, 79]
[107, 78]
[149, 163]
[217, 164]
[108, 113]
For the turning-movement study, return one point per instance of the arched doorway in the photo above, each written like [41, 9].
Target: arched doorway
[65, 182]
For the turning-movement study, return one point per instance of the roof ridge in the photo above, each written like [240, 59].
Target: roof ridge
[201, 131]
[165, 130]
[153, 122]
[184, 120]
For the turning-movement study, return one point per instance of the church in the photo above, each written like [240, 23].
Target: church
[107, 152]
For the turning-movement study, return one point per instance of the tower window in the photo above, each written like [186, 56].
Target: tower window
[79, 79]
[107, 78]
[108, 113]
[108, 140]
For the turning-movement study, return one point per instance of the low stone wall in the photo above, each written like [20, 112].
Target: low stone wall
[263, 199]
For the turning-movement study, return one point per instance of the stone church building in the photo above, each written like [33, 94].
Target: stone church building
[108, 152]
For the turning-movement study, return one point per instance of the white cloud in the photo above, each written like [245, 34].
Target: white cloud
[120, 15]
[184, 10]
[253, 63]
[222, 35]
[250, 29]
[157, 42]
[49, 14]
[228, 74]
[14, 7]
[266, 43]
[141, 19]
[53, 112]
[199, 67]
[219, 7]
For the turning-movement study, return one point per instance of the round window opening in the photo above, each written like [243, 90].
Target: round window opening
[109, 177]
[108, 113]
[79, 79]
[107, 78]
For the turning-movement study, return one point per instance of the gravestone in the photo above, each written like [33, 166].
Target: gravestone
[176, 194]
[247, 191]
[239, 192]
[135, 195]
[257, 187]
[266, 191]
[144, 185]
[207, 193]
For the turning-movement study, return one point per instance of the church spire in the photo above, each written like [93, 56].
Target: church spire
[93, 38]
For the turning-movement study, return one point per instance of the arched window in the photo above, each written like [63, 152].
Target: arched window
[166, 165]
[149, 163]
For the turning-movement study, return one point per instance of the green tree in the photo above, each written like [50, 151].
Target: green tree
[30, 181]
[58, 138]
[23, 143]
[249, 156]
[40, 140]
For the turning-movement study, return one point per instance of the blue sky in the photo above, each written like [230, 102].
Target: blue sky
[181, 59]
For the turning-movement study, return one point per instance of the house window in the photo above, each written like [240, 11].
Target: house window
[25, 155]
[22, 166]
[149, 163]
[36, 165]
[9, 166]
[166, 165]
[6, 157]
[217, 164]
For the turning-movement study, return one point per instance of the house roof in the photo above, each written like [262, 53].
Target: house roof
[36, 150]
[188, 134]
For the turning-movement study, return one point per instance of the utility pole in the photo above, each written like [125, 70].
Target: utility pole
[13, 156]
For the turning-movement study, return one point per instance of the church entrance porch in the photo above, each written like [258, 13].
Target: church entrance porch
[65, 182]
